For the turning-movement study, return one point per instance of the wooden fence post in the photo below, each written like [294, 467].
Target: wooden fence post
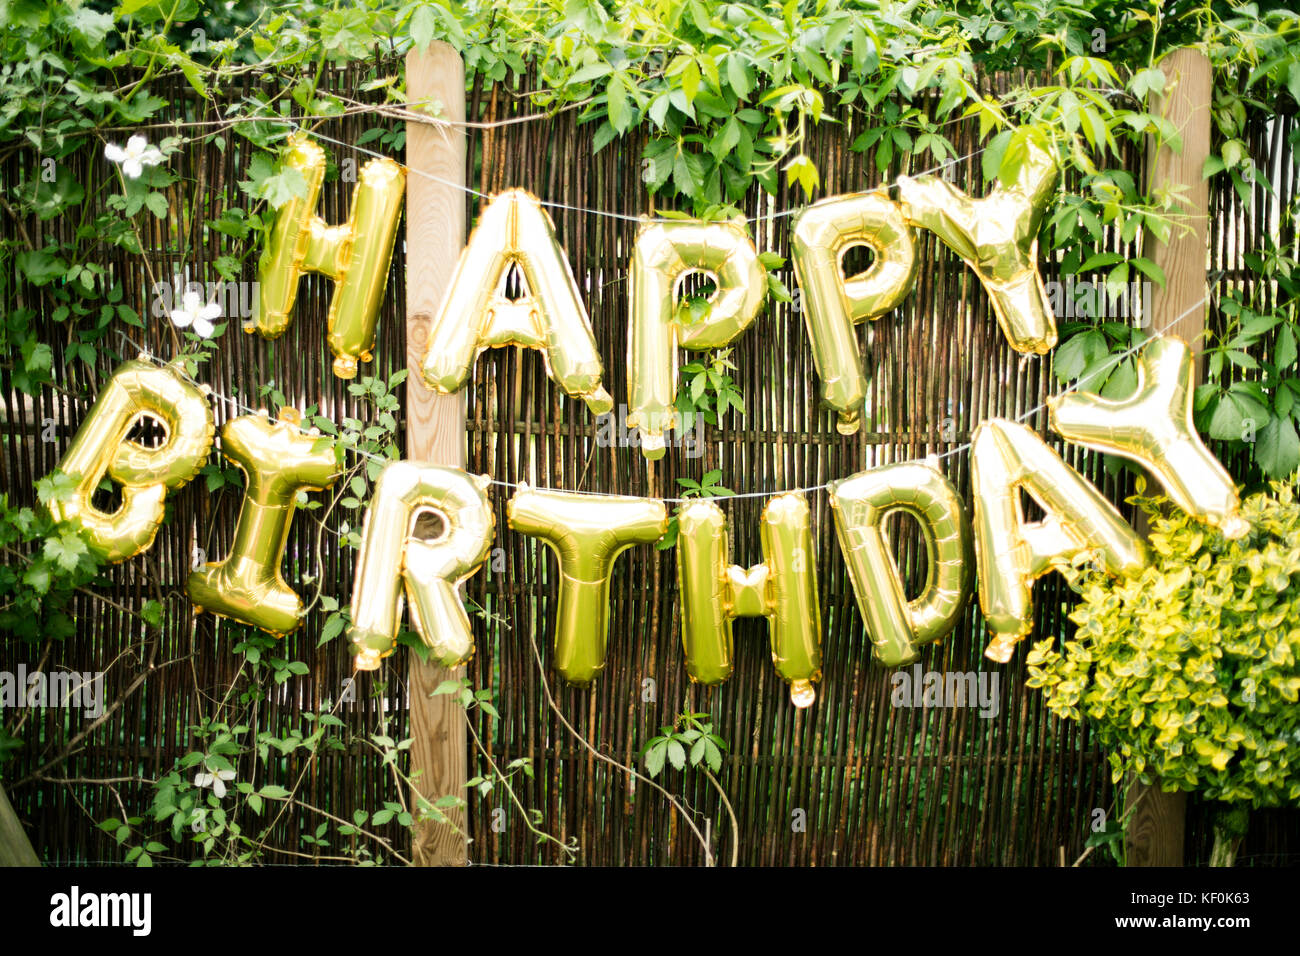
[435, 424]
[15, 848]
[1156, 830]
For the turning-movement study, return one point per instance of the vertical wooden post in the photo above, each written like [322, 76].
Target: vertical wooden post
[1156, 829]
[15, 848]
[435, 424]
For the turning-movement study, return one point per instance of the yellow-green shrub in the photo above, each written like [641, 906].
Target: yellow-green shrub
[1188, 672]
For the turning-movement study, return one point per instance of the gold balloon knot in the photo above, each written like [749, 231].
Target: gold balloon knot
[367, 660]
[345, 366]
[290, 415]
[1234, 527]
[1001, 648]
[599, 401]
[802, 693]
[652, 446]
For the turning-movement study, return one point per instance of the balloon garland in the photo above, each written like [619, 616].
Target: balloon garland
[995, 235]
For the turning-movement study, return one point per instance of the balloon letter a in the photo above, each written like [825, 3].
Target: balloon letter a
[476, 314]
[1007, 457]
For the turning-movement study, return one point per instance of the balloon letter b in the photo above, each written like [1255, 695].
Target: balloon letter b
[355, 254]
[430, 570]
[1010, 553]
[860, 504]
[278, 461]
[100, 448]
[664, 252]
[586, 533]
[783, 589]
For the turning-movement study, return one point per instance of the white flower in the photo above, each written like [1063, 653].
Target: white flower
[194, 312]
[216, 780]
[137, 155]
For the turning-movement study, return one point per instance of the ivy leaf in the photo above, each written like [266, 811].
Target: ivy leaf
[1284, 350]
[1277, 447]
[39, 266]
[803, 171]
[654, 758]
[156, 203]
[67, 550]
[676, 755]
[421, 26]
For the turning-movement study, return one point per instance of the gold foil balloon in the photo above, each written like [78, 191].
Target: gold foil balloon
[430, 570]
[476, 314]
[1011, 553]
[783, 589]
[1154, 428]
[663, 254]
[860, 505]
[997, 236]
[137, 389]
[833, 304]
[587, 533]
[278, 461]
[356, 254]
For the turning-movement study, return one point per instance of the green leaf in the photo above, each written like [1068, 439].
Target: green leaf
[421, 26]
[1284, 349]
[1277, 447]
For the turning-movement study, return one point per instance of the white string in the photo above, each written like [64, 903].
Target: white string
[1110, 363]
[597, 212]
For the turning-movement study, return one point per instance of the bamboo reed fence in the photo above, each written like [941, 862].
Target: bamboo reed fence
[852, 780]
